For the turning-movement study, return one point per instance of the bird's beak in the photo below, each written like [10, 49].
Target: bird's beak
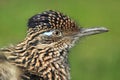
[92, 31]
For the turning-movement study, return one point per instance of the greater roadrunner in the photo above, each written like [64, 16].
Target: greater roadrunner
[43, 54]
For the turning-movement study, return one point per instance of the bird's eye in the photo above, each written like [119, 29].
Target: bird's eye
[57, 33]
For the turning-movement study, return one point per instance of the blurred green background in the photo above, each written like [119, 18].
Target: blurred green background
[94, 58]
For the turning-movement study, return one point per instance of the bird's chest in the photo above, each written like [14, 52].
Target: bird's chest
[53, 71]
[45, 65]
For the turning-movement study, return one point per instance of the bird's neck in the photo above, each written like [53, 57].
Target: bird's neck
[47, 62]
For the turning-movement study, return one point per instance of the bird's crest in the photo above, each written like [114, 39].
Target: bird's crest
[51, 20]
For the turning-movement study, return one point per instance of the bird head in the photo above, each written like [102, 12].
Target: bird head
[51, 28]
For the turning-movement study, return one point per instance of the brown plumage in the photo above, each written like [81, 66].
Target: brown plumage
[43, 54]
